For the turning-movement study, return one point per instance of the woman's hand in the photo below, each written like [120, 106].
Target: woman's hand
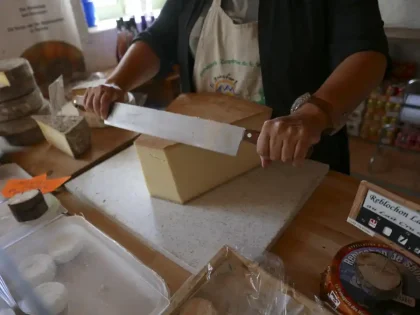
[99, 99]
[289, 138]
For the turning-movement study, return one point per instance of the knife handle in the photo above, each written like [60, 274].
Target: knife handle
[79, 101]
[251, 136]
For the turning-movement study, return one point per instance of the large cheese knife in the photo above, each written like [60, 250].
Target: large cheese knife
[197, 132]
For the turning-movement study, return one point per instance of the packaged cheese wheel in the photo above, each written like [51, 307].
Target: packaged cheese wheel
[65, 247]
[21, 107]
[16, 79]
[378, 275]
[366, 285]
[38, 269]
[53, 295]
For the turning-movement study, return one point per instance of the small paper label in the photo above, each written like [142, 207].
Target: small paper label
[407, 300]
[3, 80]
[361, 227]
[57, 96]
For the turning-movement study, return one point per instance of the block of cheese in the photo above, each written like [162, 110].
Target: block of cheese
[23, 131]
[70, 134]
[21, 107]
[16, 79]
[179, 172]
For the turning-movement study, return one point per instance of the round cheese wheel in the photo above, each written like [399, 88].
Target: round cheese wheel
[54, 296]
[198, 306]
[21, 107]
[7, 311]
[24, 131]
[65, 247]
[27, 206]
[38, 269]
[16, 79]
[16, 126]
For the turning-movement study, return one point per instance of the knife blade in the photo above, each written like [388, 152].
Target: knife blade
[194, 131]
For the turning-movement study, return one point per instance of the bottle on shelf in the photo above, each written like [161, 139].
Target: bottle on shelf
[90, 12]
[143, 23]
[133, 26]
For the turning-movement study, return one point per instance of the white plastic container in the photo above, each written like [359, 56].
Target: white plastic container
[103, 278]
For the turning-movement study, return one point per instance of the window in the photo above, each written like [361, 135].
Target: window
[109, 9]
[114, 9]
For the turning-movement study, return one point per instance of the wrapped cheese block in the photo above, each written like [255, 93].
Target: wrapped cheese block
[16, 79]
[179, 172]
[21, 107]
[70, 134]
[23, 131]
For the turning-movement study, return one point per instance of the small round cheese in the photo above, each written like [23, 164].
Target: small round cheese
[198, 306]
[38, 269]
[65, 247]
[22, 197]
[53, 295]
[7, 311]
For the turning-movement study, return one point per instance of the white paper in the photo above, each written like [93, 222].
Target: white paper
[361, 227]
[57, 96]
[406, 218]
[45, 33]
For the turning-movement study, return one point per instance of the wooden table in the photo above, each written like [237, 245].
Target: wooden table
[44, 158]
[307, 246]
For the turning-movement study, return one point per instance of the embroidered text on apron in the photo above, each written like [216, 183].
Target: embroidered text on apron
[227, 58]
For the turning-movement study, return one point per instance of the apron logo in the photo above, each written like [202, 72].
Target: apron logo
[224, 84]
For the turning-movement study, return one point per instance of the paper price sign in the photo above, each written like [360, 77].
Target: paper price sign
[388, 217]
[17, 186]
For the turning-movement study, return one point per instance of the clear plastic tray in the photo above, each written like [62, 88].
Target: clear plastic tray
[11, 230]
[104, 278]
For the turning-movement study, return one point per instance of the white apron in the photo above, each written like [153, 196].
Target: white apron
[227, 59]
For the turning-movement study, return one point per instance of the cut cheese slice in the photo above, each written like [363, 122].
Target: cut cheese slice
[70, 134]
[16, 79]
[179, 172]
[21, 107]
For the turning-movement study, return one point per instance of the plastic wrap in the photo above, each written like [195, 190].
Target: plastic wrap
[18, 287]
[234, 285]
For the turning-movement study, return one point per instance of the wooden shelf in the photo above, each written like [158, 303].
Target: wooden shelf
[402, 33]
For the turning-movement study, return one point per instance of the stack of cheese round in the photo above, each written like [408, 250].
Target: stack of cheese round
[20, 98]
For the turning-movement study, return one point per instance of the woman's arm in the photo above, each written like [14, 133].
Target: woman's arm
[153, 51]
[358, 53]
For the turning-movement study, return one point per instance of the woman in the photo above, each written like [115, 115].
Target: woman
[312, 61]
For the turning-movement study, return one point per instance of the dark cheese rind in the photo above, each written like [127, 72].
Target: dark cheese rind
[28, 209]
[23, 131]
[26, 138]
[21, 107]
[19, 73]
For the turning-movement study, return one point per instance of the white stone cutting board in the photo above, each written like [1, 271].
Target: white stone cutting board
[250, 211]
